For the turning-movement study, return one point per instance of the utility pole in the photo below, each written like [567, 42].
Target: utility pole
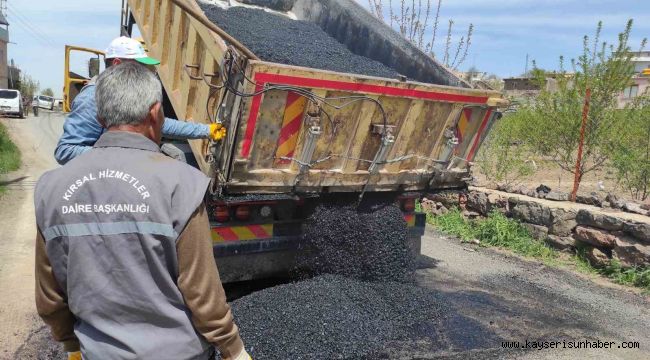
[526, 67]
[3, 7]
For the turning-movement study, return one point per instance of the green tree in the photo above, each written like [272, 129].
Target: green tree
[28, 86]
[48, 92]
[504, 158]
[630, 155]
[554, 118]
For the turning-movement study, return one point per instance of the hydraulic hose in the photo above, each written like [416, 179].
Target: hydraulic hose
[207, 23]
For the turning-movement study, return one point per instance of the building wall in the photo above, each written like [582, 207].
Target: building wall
[641, 84]
[3, 65]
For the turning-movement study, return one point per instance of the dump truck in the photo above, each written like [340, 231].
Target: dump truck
[297, 134]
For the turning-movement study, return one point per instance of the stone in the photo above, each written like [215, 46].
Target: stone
[596, 257]
[498, 203]
[614, 201]
[600, 221]
[448, 198]
[557, 196]
[595, 237]
[536, 231]
[543, 189]
[631, 253]
[531, 193]
[462, 201]
[478, 201]
[634, 208]
[428, 206]
[645, 206]
[562, 222]
[561, 242]
[531, 212]
[641, 231]
[506, 188]
[470, 214]
[592, 199]
[521, 190]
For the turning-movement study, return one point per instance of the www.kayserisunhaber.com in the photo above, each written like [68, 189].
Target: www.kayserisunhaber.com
[570, 344]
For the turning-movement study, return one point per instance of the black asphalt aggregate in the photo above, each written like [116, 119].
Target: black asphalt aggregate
[367, 243]
[335, 317]
[282, 40]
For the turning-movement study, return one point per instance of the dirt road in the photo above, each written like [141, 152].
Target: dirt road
[36, 137]
[491, 296]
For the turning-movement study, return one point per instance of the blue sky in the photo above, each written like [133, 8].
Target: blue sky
[505, 30]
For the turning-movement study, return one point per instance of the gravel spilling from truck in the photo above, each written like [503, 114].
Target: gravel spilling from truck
[336, 317]
[282, 40]
[361, 302]
[367, 243]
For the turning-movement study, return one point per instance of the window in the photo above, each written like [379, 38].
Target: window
[631, 92]
[8, 94]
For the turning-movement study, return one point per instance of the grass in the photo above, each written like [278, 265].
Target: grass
[9, 154]
[499, 231]
[495, 230]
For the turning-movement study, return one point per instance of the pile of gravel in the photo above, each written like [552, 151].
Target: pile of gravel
[334, 317]
[367, 243]
[282, 40]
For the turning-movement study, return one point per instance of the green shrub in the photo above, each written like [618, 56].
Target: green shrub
[499, 231]
[9, 153]
[504, 158]
[630, 154]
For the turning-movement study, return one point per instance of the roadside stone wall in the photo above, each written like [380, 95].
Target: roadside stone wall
[603, 235]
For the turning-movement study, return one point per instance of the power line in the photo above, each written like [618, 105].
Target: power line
[25, 25]
[29, 26]
[25, 19]
[32, 34]
[34, 29]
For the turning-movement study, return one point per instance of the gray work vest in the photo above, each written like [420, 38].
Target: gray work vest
[111, 218]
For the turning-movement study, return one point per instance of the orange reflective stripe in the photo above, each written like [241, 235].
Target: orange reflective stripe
[241, 233]
[291, 124]
[463, 122]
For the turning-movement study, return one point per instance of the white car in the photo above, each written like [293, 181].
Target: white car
[43, 101]
[11, 102]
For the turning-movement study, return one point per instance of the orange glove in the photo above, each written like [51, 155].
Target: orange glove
[217, 132]
[74, 355]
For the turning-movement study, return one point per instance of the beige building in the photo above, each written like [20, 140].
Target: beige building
[640, 80]
[4, 39]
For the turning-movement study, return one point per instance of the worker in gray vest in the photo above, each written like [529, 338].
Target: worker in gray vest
[124, 264]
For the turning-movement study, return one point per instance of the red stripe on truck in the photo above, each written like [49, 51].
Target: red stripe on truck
[262, 78]
[477, 139]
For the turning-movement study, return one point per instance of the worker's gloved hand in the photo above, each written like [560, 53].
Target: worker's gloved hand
[243, 355]
[217, 132]
[74, 355]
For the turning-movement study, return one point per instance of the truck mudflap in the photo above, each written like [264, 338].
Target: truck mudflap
[242, 256]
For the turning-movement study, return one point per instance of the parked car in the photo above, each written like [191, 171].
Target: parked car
[11, 102]
[44, 101]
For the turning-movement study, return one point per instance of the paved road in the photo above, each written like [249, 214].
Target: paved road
[492, 296]
[499, 297]
[36, 137]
